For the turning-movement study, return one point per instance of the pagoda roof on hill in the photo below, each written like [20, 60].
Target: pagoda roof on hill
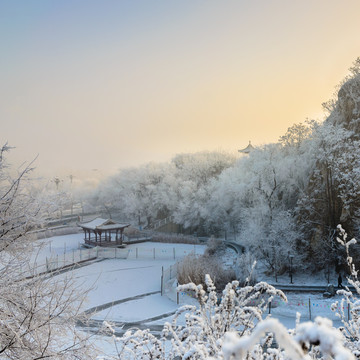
[248, 149]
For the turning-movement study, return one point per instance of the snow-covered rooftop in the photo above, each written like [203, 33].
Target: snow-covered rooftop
[102, 224]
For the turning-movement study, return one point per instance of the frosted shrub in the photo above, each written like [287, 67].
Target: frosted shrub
[214, 246]
[233, 329]
[206, 324]
[245, 269]
[351, 325]
[193, 268]
[202, 334]
[136, 344]
[131, 231]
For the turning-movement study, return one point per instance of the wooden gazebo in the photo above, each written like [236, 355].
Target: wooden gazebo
[103, 232]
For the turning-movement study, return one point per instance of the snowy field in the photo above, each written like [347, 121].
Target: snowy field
[309, 305]
[128, 290]
[135, 283]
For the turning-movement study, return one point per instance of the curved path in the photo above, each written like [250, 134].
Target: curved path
[98, 308]
[93, 325]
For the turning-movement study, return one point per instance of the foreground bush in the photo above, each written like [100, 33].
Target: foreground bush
[233, 329]
[193, 268]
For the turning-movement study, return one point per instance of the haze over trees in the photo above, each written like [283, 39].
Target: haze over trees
[281, 199]
[288, 196]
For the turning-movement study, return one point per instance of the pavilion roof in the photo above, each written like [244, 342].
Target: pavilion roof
[102, 224]
[248, 149]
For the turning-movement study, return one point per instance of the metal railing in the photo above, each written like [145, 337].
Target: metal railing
[169, 283]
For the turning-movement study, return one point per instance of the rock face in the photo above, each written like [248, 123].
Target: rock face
[347, 111]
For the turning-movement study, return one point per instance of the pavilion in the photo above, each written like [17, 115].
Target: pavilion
[103, 232]
[247, 150]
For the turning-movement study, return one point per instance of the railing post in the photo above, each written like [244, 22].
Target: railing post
[177, 294]
[162, 281]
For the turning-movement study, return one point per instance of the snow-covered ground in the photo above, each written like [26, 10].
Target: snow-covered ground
[120, 280]
[134, 285]
[308, 304]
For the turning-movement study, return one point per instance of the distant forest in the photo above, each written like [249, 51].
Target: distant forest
[281, 198]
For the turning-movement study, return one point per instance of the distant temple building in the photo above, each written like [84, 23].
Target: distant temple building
[247, 150]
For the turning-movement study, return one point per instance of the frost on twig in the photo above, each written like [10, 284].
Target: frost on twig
[322, 334]
[232, 328]
[350, 302]
[236, 347]
[197, 332]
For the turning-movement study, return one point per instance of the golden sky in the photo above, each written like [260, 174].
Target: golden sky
[111, 84]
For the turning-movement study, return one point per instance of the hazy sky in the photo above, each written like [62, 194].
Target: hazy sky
[108, 84]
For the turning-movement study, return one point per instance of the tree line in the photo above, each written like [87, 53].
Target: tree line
[282, 198]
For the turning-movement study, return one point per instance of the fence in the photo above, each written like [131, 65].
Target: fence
[158, 253]
[169, 283]
[163, 222]
[56, 261]
[310, 308]
[68, 257]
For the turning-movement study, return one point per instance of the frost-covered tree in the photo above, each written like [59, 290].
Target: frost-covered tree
[195, 174]
[332, 195]
[258, 195]
[296, 135]
[156, 191]
[140, 194]
[304, 185]
[37, 313]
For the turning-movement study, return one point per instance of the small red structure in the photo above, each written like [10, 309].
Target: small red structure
[103, 232]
